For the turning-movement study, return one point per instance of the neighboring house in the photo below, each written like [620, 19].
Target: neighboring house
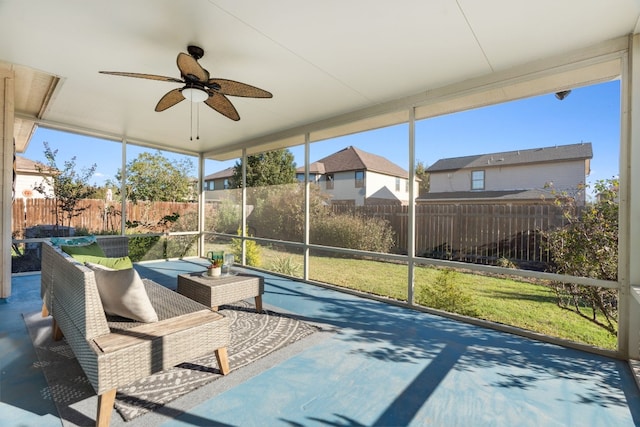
[219, 180]
[28, 177]
[216, 183]
[354, 177]
[521, 175]
[316, 172]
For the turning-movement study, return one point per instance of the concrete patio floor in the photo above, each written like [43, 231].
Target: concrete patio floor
[381, 365]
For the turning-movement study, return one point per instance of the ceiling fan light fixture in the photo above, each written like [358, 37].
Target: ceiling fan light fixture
[194, 94]
[199, 87]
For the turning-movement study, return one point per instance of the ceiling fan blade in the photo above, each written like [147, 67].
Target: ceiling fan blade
[234, 88]
[170, 99]
[143, 76]
[190, 69]
[222, 105]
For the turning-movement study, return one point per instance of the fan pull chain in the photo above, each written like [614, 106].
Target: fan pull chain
[191, 121]
[197, 121]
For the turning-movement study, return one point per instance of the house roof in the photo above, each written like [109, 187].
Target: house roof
[352, 159]
[28, 166]
[315, 167]
[384, 194]
[225, 173]
[511, 195]
[366, 72]
[557, 153]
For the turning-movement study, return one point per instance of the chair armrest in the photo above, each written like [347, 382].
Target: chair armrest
[120, 339]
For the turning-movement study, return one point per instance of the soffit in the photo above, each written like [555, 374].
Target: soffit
[34, 89]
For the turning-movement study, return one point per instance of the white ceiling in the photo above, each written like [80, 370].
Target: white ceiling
[320, 59]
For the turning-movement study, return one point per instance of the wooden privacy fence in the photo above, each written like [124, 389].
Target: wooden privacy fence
[478, 233]
[98, 217]
[484, 233]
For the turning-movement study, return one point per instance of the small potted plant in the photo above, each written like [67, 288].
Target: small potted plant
[215, 269]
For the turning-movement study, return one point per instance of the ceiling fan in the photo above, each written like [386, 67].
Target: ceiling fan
[198, 86]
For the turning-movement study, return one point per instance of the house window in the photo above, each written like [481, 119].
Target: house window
[477, 180]
[397, 184]
[329, 178]
[359, 179]
[314, 178]
[406, 186]
[226, 184]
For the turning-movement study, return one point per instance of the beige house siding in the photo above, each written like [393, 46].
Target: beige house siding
[26, 183]
[561, 176]
[216, 181]
[344, 187]
[376, 182]
[28, 176]
[339, 170]
[376, 186]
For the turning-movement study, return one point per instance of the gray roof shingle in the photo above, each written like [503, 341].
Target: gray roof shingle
[225, 173]
[352, 159]
[315, 167]
[535, 155]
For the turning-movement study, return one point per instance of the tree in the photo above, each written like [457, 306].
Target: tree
[154, 178]
[151, 177]
[588, 247]
[270, 168]
[425, 183]
[69, 186]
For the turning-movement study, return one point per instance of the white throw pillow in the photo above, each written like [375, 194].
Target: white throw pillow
[123, 294]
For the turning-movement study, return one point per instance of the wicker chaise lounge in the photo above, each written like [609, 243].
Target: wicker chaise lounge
[116, 353]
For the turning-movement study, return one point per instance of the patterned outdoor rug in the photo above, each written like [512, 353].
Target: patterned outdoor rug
[253, 336]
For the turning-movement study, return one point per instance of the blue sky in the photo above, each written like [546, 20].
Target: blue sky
[590, 114]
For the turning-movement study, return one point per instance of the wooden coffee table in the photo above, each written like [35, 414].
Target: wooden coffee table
[216, 291]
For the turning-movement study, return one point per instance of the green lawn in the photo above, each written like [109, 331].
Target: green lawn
[508, 301]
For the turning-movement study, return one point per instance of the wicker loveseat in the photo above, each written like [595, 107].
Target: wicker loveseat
[113, 352]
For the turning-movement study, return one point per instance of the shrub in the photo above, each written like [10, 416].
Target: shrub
[150, 247]
[145, 248]
[354, 232]
[588, 247]
[286, 266]
[252, 251]
[228, 215]
[279, 211]
[505, 262]
[183, 245]
[446, 294]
